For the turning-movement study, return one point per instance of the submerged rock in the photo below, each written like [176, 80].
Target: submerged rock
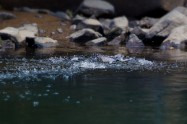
[177, 39]
[96, 8]
[98, 41]
[84, 35]
[6, 15]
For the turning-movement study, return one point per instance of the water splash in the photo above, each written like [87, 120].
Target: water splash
[67, 66]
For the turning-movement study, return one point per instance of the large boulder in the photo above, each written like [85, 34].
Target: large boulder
[177, 39]
[127, 7]
[167, 23]
[96, 8]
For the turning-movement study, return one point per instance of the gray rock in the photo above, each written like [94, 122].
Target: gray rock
[98, 41]
[31, 10]
[45, 42]
[96, 8]
[90, 23]
[84, 35]
[62, 15]
[147, 22]
[18, 35]
[167, 23]
[134, 42]
[177, 39]
[77, 19]
[120, 23]
[6, 15]
[118, 40]
[106, 25]
[59, 30]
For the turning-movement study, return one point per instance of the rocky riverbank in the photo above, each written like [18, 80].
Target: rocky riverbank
[93, 25]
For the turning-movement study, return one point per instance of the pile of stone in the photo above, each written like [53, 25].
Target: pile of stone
[94, 24]
[167, 32]
[25, 35]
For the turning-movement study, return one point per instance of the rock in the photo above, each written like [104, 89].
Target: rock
[59, 30]
[62, 15]
[134, 42]
[84, 35]
[106, 25]
[31, 10]
[18, 35]
[120, 23]
[96, 8]
[6, 16]
[92, 24]
[98, 41]
[167, 23]
[77, 19]
[118, 40]
[147, 22]
[177, 39]
[45, 42]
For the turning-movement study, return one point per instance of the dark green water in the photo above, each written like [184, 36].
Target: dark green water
[92, 89]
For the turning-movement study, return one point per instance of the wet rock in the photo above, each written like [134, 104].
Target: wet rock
[6, 15]
[96, 8]
[18, 35]
[177, 39]
[61, 15]
[134, 42]
[98, 41]
[84, 35]
[92, 24]
[167, 23]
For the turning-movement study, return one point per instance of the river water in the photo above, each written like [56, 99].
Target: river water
[79, 88]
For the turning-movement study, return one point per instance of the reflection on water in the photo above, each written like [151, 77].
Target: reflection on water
[92, 89]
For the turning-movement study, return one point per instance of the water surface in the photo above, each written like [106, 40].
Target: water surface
[93, 88]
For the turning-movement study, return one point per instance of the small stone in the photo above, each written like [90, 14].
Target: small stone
[84, 35]
[53, 33]
[98, 41]
[90, 23]
[59, 30]
[134, 42]
[77, 19]
[45, 42]
[62, 15]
